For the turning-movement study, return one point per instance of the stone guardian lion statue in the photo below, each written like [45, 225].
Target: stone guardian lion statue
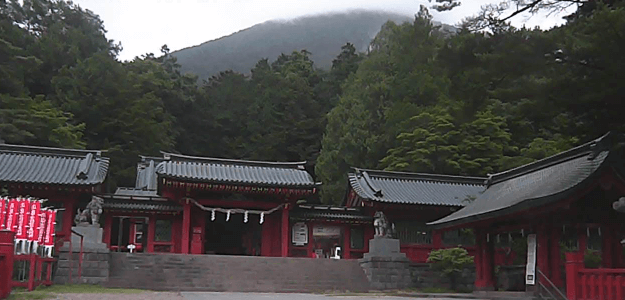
[383, 228]
[92, 211]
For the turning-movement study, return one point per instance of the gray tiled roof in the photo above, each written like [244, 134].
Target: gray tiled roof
[539, 183]
[135, 192]
[307, 212]
[146, 173]
[42, 165]
[143, 205]
[229, 171]
[415, 188]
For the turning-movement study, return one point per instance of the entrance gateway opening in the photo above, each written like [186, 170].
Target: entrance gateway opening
[233, 236]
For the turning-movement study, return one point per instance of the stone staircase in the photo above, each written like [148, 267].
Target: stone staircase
[176, 272]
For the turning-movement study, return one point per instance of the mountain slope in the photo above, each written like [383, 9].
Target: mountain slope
[322, 35]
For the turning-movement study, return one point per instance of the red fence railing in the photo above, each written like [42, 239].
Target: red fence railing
[592, 284]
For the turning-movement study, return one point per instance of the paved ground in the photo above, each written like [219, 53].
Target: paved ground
[263, 296]
[229, 296]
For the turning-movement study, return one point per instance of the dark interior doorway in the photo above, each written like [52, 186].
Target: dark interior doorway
[233, 237]
[127, 231]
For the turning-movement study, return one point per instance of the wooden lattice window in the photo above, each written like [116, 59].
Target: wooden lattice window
[409, 232]
[162, 231]
[459, 237]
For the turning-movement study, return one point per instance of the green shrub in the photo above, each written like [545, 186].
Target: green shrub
[592, 259]
[450, 262]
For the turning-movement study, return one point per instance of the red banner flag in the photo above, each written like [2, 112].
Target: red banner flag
[41, 229]
[3, 212]
[22, 217]
[33, 220]
[49, 238]
[12, 215]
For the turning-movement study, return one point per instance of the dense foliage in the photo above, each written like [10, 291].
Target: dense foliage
[419, 100]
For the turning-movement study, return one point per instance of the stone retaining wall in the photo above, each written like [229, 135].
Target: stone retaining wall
[424, 277]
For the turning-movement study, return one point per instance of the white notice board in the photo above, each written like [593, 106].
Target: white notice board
[300, 234]
[530, 270]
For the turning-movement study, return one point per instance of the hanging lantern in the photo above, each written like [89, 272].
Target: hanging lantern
[522, 233]
[228, 216]
[213, 215]
[599, 231]
[587, 232]
[509, 237]
[563, 229]
[245, 217]
[488, 237]
[498, 239]
[262, 218]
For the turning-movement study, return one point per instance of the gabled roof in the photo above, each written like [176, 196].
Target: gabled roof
[542, 182]
[414, 188]
[237, 172]
[146, 173]
[325, 212]
[141, 205]
[54, 166]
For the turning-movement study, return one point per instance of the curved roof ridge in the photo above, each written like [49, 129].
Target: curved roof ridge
[590, 148]
[423, 176]
[49, 150]
[182, 157]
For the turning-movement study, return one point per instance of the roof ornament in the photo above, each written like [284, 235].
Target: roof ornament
[489, 181]
[83, 168]
[376, 191]
[619, 205]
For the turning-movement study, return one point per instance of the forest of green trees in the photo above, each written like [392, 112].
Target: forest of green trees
[474, 103]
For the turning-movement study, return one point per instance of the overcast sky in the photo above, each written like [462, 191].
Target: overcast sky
[144, 26]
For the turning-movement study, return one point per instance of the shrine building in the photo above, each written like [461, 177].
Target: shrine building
[410, 201]
[66, 178]
[563, 207]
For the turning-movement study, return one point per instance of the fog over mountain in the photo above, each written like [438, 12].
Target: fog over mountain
[322, 35]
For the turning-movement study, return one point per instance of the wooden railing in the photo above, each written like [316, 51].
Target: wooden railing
[592, 284]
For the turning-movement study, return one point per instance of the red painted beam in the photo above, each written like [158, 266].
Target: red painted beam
[237, 204]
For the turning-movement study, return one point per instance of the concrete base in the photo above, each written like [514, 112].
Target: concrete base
[386, 268]
[92, 239]
[95, 258]
[384, 247]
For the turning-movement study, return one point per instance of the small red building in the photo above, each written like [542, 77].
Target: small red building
[197, 205]
[66, 178]
[410, 200]
[564, 204]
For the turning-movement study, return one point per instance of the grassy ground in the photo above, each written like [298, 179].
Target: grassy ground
[48, 292]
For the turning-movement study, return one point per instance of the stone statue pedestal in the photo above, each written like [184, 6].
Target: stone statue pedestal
[92, 239]
[95, 258]
[384, 247]
[385, 266]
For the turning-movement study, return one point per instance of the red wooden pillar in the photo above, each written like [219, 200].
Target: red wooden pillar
[151, 231]
[108, 223]
[542, 257]
[574, 262]
[437, 239]
[347, 242]
[186, 227]
[265, 244]
[556, 261]
[68, 217]
[285, 232]
[485, 263]
[607, 247]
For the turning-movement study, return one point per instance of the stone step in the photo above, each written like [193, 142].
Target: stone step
[234, 273]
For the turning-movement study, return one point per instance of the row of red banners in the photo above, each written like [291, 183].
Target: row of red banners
[31, 223]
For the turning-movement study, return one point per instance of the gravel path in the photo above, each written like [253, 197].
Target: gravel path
[120, 296]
